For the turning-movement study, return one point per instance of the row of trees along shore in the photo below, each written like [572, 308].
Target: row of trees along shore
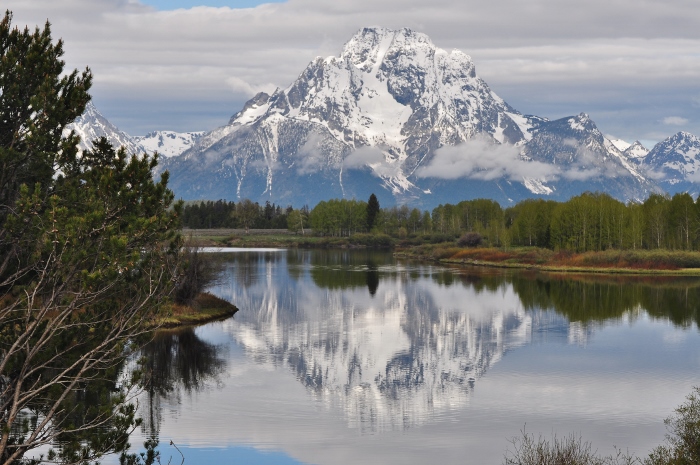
[588, 222]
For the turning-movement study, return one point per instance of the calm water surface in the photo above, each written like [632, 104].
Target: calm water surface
[343, 357]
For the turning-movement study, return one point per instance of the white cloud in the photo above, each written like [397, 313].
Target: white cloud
[375, 158]
[480, 158]
[675, 121]
[310, 157]
[555, 60]
[238, 85]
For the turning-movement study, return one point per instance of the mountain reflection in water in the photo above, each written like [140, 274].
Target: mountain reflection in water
[393, 345]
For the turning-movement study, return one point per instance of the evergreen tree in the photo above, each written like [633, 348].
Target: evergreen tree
[372, 211]
[88, 249]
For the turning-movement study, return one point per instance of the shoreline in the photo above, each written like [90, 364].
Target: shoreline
[568, 269]
[629, 262]
[545, 260]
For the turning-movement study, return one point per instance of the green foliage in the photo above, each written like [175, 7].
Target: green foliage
[530, 220]
[37, 101]
[297, 220]
[683, 439]
[588, 222]
[375, 241]
[149, 457]
[339, 217]
[682, 445]
[223, 214]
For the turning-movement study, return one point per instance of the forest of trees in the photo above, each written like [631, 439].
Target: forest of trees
[587, 222]
[244, 214]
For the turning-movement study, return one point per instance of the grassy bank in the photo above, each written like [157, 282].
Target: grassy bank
[609, 261]
[205, 308]
[282, 239]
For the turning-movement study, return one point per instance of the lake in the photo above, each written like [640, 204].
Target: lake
[346, 357]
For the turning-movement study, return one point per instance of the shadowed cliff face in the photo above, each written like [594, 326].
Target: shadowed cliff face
[396, 344]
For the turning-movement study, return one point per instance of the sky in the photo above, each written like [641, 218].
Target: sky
[189, 65]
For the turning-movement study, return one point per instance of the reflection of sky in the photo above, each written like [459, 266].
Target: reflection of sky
[613, 385]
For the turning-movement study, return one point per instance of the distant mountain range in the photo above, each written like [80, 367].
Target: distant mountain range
[92, 125]
[400, 117]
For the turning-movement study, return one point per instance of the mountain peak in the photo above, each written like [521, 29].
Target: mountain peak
[92, 125]
[370, 47]
[636, 151]
[684, 135]
[678, 159]
[395, 110]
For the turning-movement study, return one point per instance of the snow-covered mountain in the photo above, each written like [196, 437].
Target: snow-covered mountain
[584, 159]
[92, 125]
[394, 111]
[636, 152]
[168, 143]
[675, 163]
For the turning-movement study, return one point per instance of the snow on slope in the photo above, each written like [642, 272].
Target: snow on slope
[92, 125]
[677, 158]
[636, 152]
[168, 143]
[620, 144]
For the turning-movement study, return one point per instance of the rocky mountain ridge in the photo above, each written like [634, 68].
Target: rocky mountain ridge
[675, 163]
[92, 125]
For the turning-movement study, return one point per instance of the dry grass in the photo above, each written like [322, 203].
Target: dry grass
[205, 308]
[641, 261]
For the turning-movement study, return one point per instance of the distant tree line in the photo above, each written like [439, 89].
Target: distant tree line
[244, 214]
[587, 222]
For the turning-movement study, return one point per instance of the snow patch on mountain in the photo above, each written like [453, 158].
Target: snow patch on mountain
[168, 143]
[636, 152]
[623, 159]
[537, 186]
[621, 145]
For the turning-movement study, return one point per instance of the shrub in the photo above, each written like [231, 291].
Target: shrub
[377, 241]
[437, 238]
[570, 450]
[440, 253]
[470, 239]
[199, 271]
[683, 438]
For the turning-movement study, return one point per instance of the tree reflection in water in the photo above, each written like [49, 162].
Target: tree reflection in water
[176, 361]
[372, 277]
